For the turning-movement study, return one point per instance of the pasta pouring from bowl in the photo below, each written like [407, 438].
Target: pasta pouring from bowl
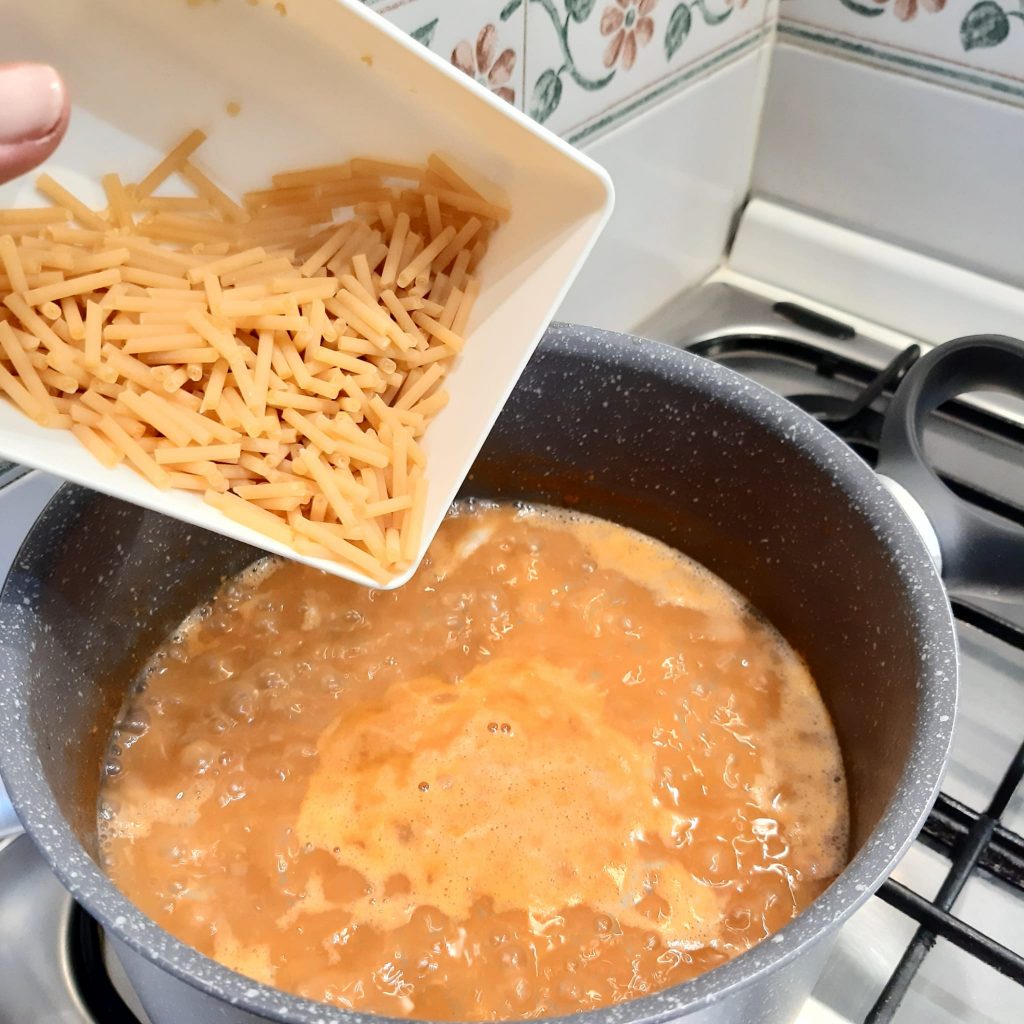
[281, 364]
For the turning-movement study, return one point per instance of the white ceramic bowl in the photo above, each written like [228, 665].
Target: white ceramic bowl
[328, 81]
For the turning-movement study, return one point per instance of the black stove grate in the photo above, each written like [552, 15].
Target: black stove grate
[973, 841]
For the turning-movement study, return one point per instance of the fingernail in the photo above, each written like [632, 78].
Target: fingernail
[31, 102]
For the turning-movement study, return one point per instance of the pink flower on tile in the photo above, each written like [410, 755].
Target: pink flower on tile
[479, 62]
[630, 26]
[906, 9]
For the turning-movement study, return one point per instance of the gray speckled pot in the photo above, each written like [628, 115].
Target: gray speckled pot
[641, 433]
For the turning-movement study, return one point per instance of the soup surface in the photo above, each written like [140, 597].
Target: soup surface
[563, 767]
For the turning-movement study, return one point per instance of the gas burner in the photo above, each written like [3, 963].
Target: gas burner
[53, 965]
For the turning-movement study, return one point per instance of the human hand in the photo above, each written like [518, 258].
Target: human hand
[33, 116]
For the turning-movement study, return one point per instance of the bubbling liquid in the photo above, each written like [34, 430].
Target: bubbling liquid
[564, 766]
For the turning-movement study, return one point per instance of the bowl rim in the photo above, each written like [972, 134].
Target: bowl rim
[900, 823]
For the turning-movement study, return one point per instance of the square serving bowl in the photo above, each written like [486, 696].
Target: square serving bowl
[323, 81]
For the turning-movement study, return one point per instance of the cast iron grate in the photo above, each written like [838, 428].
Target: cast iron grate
[973, 841]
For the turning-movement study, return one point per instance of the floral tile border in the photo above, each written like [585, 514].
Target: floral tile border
[971, 45]
[583, 66]
[591, 64]
[471, 34]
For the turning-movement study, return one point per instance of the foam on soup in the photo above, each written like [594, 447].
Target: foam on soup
[563, 767]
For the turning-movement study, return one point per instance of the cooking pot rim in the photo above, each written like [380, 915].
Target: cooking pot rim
[915, 793]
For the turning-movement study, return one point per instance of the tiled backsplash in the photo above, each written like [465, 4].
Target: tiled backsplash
[583, 66]
[972, 45]
[903, 119]
[876, 112]
[666, 94]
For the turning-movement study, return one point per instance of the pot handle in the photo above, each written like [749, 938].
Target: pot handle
[978, 552]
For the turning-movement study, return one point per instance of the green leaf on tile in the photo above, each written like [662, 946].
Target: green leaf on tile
[425, 33]
[579, 10]
[509, 9]
[985, 24]
[547, 94]
[678, 29]
[710, 18]
[561, 27]
[862, 9]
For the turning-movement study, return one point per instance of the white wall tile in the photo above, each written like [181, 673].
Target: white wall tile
[681, 172]
[930, 168]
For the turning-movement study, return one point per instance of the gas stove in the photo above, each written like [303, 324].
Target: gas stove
[944, 938]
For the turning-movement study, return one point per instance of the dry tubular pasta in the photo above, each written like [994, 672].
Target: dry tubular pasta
[73, 286]
[134, 452]
[96, 446]
[189, 482]
[29, 378]
[238, 261]
[388, 505]
[471, 204]
[278, 266]
[456, 246]
[172, 162]
[62, 197]
[208, 471]
[312, 176]
[361, 266]
[331, 538]
[412, 526]
[34, 215]
[152, 278]
[281, 489]
[433, 210]
[101, 261]
[326, 251]
[461, 320]
[191, 356]
[234, 407]
[93, 334]
[367, 166]
[158, 417]
[175, 204]
[76, 236]
[157, 343]
[209, 191]
[12, 264]
[198, 453]
[395, 249]
[451, 308]
[409, 396]
[173, 380]
[73, 318]
[250, 515]
[439, 331]
[281, 360]
[386, 214]
[431, 406]
[31, 320]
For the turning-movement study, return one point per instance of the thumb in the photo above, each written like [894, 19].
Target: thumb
[33, 116]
